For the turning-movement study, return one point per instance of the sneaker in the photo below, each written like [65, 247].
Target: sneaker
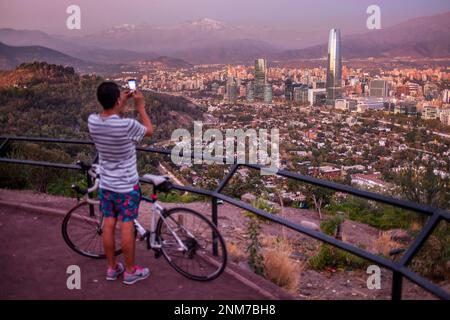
[140, 273]
[113, 274]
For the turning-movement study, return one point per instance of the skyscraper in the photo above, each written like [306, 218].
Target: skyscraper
[334, 70]
[288, 89]
[231, 89]
[250, 91]
[260, 78]
[268, 93]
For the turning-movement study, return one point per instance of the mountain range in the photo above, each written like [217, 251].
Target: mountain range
[211, 41]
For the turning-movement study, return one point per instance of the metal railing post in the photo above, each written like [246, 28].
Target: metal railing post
[397, 284]
[215, 249]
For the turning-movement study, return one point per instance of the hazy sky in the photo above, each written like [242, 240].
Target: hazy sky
[305, 15]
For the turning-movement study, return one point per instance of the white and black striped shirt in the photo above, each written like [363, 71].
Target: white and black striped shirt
[115, 139]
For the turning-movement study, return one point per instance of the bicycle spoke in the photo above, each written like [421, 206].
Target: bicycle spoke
[83, 232]
[195, 233]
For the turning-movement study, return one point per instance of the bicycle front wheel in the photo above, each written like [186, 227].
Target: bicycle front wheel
[82, 230]
[203, 255]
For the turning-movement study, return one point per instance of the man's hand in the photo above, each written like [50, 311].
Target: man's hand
[139, 101]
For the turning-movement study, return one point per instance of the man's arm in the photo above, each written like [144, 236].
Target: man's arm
[140, 107]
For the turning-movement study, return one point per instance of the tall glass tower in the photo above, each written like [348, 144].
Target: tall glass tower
[334, 70]
[260, 78]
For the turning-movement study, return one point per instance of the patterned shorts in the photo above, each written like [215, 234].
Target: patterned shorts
[123, 206]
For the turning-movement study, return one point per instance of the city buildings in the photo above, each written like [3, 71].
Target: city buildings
[260, 78]
[268, 94]
[250, 92]
[334, 69]
[379, 88]
[316, 96]
[231, 89]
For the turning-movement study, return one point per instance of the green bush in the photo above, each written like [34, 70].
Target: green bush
[261, 204]
[433, 259]
[174, 196]
[377, 215]
[255, 258]
[330, 225]
[329, 256]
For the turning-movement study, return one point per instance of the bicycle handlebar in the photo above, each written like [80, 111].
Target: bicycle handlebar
[92, 170]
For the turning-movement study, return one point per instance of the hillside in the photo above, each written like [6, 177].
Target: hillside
[11, 56]
[40, 99]
[164, 62]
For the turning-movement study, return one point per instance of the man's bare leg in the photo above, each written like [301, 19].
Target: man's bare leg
[128, 244]
[108, 240]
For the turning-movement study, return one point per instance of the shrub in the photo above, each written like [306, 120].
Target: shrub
[255, 259]
[176, 197]
[377, 215]
[330, 226]
[433, 260]
[329, 256]
[384, 245]
[280, 268]
[235, 253]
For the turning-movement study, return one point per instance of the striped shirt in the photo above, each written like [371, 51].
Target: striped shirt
[115, 139]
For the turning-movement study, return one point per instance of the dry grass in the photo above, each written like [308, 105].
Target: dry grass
[280, 268]
[384, 244]
[416, 227]
[235, 253]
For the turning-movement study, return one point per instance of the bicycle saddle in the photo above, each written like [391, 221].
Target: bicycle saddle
[155, 179]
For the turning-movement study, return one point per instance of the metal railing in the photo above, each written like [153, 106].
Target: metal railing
[400, 269]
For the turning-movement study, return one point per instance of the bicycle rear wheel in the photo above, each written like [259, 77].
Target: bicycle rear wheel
[82, 230]
[198, 235]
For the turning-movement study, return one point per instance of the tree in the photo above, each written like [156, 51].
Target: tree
[319, 196]
[422, 185]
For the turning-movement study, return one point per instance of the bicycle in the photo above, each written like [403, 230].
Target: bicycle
[186, 238]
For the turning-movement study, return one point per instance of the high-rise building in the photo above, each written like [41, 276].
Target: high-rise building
[378, 88]
[316, 96]
[260, 78]
[231, 89]
[334, 69]
[300, 93]
[268, 95]
[288, 94]
[250, 91]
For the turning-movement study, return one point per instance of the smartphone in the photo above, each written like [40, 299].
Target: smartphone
[132, 84]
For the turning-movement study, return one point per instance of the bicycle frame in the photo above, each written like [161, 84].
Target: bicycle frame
[155, 210]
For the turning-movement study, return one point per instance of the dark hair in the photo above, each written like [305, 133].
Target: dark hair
[107, 94]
